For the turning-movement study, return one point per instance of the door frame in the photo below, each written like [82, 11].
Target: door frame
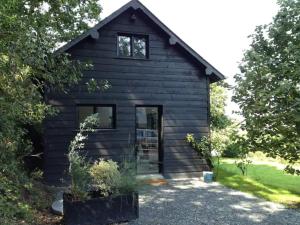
[160, 136]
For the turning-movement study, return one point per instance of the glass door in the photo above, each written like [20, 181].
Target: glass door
[148, 126]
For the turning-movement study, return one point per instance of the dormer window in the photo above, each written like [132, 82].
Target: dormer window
[133, 46]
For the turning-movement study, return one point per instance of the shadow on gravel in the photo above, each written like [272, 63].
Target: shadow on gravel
[194, 202]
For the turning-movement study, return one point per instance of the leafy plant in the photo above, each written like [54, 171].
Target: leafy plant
[79, 167]
[268, 90]
[221, 124]
[202, 147]
[218, 97]
[243, 161]
[231, 151]
[128, 182]
[30, 32]
[105, 177]
[94, 85]
[243, 164]
[290, 169]
[237, 141]
[219, 141]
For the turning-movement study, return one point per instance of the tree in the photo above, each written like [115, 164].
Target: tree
[30, 32]
[218, 97]
[268, 87]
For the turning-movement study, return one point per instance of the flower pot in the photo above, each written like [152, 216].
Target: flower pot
[208, 176]
[100, 211]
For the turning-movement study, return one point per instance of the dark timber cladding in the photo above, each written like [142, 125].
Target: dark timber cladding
[170, 77]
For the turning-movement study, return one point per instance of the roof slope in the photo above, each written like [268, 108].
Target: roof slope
[174, 39]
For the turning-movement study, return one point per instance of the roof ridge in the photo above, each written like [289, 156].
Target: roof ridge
[174, 39]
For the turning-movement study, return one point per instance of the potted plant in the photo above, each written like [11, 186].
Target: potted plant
[102, 192]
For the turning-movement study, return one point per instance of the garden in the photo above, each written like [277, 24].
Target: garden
[103, 191]
[258, 154]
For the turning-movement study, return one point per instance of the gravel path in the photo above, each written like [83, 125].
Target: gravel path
[189, 202]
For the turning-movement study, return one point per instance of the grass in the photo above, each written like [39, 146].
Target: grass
[263, 181]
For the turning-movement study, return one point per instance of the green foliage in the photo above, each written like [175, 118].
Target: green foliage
[292, 170]
[94, 85]
[241, 145]
[219, 142]
[236, 146]
[80, 177]
[297, 114]
[218, 97]
[268, 87]
[20, 199]
[243, 164]
[220, 139]
[236, 141]
[112, 179]
[201, 146]
[220, 123]
[79, 168]
[30, 32]
[105, 177]
[128, 182]
[11, 204]
[231, 151]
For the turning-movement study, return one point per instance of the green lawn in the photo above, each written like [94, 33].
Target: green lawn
[263, 181]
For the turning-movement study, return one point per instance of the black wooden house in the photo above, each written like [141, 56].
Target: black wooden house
[159, 93]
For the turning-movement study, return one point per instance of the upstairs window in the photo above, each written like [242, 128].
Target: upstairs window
[124, 46]
[107, 115]
[133, 46]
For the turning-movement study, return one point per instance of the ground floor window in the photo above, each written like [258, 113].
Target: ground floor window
[107, 115]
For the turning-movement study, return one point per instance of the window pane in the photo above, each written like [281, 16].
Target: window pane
[124, 46]
[139, 47]
[147, 139]
[84, 111]
[146, 118]
[106, 116]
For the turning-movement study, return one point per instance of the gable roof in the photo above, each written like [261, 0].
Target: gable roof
[214, 74]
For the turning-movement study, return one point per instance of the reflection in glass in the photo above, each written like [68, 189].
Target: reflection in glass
[147, 139]
[84, 112]
[124, 46]
[105, 116]
[139, 47]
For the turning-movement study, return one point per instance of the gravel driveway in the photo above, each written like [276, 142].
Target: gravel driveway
[194, 202]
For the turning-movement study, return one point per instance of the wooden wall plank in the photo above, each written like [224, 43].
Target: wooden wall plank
[168, 78]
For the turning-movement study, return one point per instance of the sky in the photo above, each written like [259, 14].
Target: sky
[217, 29]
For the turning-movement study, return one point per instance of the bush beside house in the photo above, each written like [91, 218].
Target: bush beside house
[102, 192]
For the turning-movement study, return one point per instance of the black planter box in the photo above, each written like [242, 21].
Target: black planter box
[100, 211]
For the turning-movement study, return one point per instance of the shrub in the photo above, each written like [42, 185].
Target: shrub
[20, 200]
[11, 204]
[105, 177]
[79, 167]
[242, 163]
[231, 151]
[80, 177]
[236, 143]
[202, 147]
[128, 182]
